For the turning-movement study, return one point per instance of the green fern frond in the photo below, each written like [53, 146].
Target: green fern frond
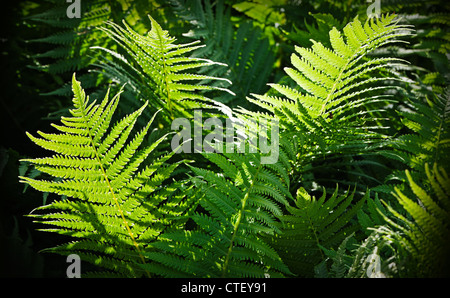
[336, 102]
[160, 68]
[341, 260]
[239, 206]
[371, 215]
[331, 77]
[429, 139]
[313, 225]
[111, 190]
[410, 241]
[76, 36]
[421, 237]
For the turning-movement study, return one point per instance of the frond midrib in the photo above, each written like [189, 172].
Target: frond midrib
[238, 221]
[358, 54]
[105, 176]
[164, 69]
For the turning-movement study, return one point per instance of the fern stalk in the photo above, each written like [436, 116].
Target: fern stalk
[238, 221]
[115, 199]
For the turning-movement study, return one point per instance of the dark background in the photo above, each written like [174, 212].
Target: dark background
[22, 109]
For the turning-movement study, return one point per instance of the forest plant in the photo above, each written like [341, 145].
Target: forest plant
[429, 140]
[330, 77]
[331, 110]
[160, 70]
[235, 216]
[111, 198]
[241, 45]
[408, 242]
[314, 225]
[68, 41]
[421, 237]
[242, 205]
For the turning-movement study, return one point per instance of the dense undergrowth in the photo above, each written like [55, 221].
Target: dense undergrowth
[355, 110]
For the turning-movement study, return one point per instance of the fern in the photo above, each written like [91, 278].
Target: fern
[313, 225]
[361, 261]
[110, 190]
[125, 203]
[422, 236]
[159, 69]
[329, 76]
[332, 112]
[430, 126]
[70, 40]
[430, 43]
[239, 44]
[341, 261]
[410, 241]
[240, 208]
[371, 215]
[426, 140]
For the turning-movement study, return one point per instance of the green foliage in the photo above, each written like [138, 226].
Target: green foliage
[361, 109]
[72, 39]
[110, 190]
[160, 69]
[239, 44]
[242, 205]
[332, 110]
[421, 237]
[425, 141]
[314, 225]
[326, 76]
[429, 123]
[411, 241]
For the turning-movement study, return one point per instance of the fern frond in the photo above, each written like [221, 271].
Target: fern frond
[240, 207]
[421, 237]
[328, 75]
[333, 104]
[428, 139]
[111, 189]
[314, 224]
[159, 67]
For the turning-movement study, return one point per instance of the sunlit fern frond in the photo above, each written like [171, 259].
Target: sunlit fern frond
[333, 106]
[421, 237]
[239, 44]
[330, 78]
[313, 225]
[240, 207]
[159, 70]
[111, 196]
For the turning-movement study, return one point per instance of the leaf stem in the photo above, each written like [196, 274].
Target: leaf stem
[238, 221]
[127, 226]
